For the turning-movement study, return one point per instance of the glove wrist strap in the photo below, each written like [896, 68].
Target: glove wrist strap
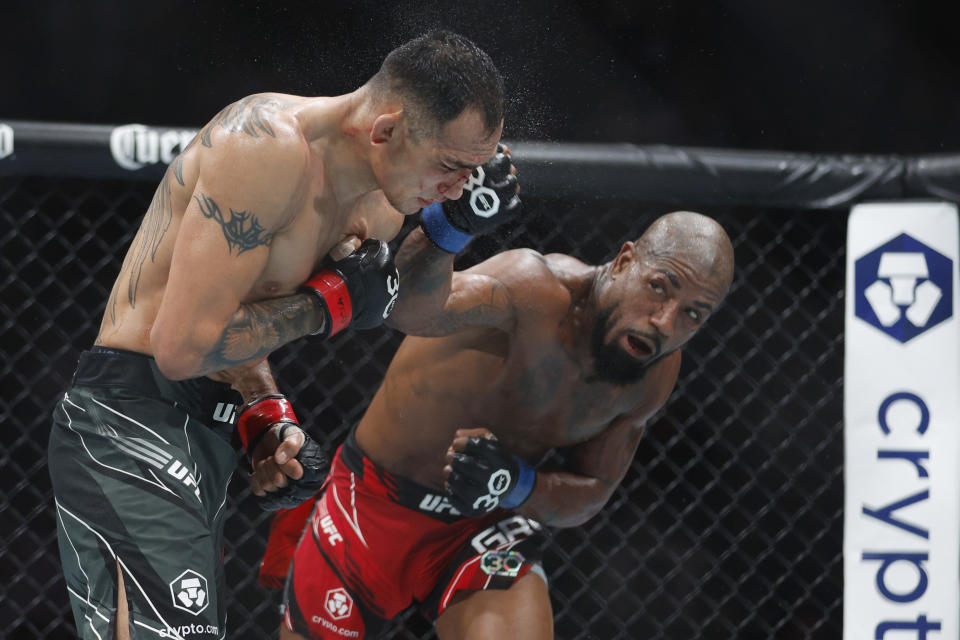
[441, 232]
[261, 413]
[525, 483]
[331, 289]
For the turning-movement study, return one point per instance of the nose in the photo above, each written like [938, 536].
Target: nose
[453, 190]
[665, 318]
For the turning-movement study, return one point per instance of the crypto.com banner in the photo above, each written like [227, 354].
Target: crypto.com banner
[902, 423]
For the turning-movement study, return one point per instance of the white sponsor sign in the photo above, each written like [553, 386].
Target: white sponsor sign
[6, 140]
[902, 423]
[134, 145]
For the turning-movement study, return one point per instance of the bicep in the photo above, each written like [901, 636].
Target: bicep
[220, 252]
[241, 199]
[497, 292]
[477, 301]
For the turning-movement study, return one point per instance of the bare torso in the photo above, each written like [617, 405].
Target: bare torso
[312, 220]
[530, 386]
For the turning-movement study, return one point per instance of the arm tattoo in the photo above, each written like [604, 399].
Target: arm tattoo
[429, 306]
[177, 164]
[260, 327]
[112, 306]
[153, 228]
[250, 116]
[481, 314]
[241, 229]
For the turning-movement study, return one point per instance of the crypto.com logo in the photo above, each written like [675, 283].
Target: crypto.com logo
[189, 592]
[903, 288]
[338, 603]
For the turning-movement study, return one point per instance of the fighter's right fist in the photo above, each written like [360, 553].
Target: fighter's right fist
[482, 475]
[489, 199]
[360, 289]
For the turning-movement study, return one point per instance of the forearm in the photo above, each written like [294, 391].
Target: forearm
[255, 330]
[572, 494]
[563, 499]
[259, 328]
[426, 275]
[252, 381]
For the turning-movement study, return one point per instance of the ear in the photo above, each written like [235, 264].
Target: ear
[384, 127]
[623, 259]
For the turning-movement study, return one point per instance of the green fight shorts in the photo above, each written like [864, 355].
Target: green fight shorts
[140, 466]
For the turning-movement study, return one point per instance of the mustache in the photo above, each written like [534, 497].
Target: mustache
[611, 363]
[654, 338]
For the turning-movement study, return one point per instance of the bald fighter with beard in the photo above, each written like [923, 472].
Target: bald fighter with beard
[434, 499]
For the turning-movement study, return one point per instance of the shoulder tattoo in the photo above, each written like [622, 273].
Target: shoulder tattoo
[250, 116]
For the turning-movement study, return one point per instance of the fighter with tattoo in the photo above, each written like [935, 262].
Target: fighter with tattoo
[437, 497]
[270, 226]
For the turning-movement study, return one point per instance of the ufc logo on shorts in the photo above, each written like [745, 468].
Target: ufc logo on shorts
[225, 412]
[180, 472]
[432, 503]
[483, 200]
[333, 536]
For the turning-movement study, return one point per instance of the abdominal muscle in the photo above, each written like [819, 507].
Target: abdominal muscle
[426, 396]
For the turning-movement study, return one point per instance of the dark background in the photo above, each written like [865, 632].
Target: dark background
[821, 76]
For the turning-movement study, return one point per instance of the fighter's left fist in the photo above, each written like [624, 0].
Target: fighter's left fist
[290, 490]
[288, 466]
[357, 290]
[489, 199]
[482, 475]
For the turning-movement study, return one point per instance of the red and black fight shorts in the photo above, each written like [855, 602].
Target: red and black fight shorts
[376, 544]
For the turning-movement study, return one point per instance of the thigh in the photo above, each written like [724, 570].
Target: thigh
[522, 611]
[496, 586]
[127, 495]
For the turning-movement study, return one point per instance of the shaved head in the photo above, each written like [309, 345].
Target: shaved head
[693, 237]
[657, 293]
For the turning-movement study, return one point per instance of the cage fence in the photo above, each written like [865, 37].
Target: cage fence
[728, 524]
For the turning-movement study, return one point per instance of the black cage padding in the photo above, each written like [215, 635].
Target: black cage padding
[652, 173]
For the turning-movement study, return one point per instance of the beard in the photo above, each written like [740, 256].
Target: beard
[611, 363]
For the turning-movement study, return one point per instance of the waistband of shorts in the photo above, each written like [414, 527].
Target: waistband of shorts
[399, 489]
[107, 367]
[352, 456]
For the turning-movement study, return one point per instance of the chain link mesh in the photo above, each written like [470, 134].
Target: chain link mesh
[728, 525]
